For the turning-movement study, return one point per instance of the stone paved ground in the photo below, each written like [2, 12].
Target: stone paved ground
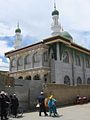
[77, 112]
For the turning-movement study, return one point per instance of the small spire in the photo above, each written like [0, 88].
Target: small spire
[55, 12]
[55, 27]
[54, 4]
[62, 28]
[18, 25]
[18, 30]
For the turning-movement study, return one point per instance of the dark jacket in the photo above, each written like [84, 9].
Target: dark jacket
[41, 100]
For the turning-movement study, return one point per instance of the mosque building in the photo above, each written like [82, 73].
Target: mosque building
[57, 59]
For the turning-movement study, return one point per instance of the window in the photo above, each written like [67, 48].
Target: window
[20, 77]
[52, 54]
[87, 63]
[88, 81]
[20, 61]
[13, 63]
[79, 81]
[78, 60]
[66, 80]
[36, 77]
[27, 59]
[36, 57]
[65, 57]
[28, 77]
[45, 56]
[45, 78]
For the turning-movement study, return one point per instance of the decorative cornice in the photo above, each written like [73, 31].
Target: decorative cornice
[30, 70]
[25, 49]
[68, 42]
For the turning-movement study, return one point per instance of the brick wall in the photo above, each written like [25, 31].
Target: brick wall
[66, 95]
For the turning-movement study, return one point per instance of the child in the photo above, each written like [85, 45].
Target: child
[52, 106]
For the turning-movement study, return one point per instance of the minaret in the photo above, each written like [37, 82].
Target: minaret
[55, 27]
[18, 38]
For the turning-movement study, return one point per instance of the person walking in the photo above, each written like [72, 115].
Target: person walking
[11, 101]
[3, 105]
[7, 103]
[41, 101]
[15, 105]
[52, 106]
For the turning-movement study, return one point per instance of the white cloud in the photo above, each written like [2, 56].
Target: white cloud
[5, 29]
[35, 19]
[35, 16]
[32, 16]
[76, 13]
[4, 66]
[4, 48]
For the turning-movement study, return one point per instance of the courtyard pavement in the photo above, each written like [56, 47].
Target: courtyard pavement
[76, 112]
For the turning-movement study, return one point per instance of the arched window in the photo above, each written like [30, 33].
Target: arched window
[36, 57]
[36, 77]
[20, 61]
[78, 60]
[13, 63]
[87, 63]
[27, 59]
[45, 55]
[88, 81]
[66, 80]
[52, 54]
[45, 78]
[65, 57]
[28, 77]
[20, 77]
[79, 81]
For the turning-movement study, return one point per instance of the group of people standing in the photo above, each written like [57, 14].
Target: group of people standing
[49, 103]
[8, 104]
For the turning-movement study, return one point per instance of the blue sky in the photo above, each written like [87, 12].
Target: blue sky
[35, 20]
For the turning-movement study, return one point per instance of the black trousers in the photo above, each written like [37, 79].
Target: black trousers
[42, 109]
[14, 111]
[3, 113]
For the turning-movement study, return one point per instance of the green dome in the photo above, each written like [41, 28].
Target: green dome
[55, 12]
[66, 35]
[18, 30]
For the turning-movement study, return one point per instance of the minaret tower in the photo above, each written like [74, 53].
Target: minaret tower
[18, 38]
[55, 27]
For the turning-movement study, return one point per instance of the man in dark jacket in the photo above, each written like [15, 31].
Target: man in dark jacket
[15, 105]
[41, 101]
[3, 105]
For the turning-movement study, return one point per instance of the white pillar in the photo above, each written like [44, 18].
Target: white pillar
[58, 53]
